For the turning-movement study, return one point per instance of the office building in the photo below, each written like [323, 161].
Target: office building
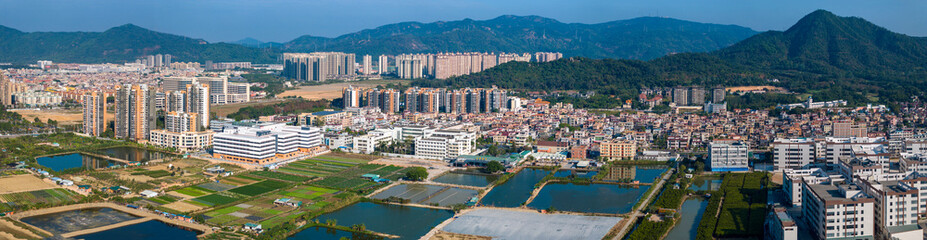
[793, 153]
[445, 144]
[264, 144]
[94, 113]
[838, 211]
[779, 225]
[135, 112]
[725, 156]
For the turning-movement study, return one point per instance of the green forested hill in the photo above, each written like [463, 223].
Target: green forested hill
[830, 56]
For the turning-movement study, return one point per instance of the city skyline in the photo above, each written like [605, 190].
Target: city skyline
[252, 20]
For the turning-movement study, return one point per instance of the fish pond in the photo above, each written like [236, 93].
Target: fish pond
[76, 220]
[591, 198]
[74, 160]
[516, 190]
[476, 180]
[405, 222]
[148, 230]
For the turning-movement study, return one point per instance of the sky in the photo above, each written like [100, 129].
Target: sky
[284, 20]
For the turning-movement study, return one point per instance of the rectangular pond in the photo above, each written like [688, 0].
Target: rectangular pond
[148, 230]
[476, 180]
[74, 160]
[641, 173]
[516, 190]
[428, 194]
[324, 233]
[133, 154]
[591, 198]
[706, 183]
[687, 227]
[76, 220]
[406, 222]
[575, 174]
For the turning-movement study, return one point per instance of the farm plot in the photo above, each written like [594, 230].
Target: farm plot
[153, 174]
[280, 176]
[194, 191]
[19, 183]
[52, 196]
[216, 199]
[164, 199]
[239, 180]
[218, 187]
[259, 188]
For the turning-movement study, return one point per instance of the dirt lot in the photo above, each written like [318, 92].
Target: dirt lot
[332, 91]
[63, 116]
[182, 206]
[442, 235]
[435, 168]
[22, 183]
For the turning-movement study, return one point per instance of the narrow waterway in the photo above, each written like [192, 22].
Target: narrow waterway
[691, 215]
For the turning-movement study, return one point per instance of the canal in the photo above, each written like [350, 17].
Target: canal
[516, 190]
[691, 215]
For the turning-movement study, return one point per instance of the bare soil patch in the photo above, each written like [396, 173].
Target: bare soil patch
[22, 183]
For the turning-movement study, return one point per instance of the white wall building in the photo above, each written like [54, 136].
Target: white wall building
[792, 153]
[184, 141]
[841, 211]
[368, 142]
[728, 157]
[445, 143]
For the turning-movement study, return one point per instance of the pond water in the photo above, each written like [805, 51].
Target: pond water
[646, 174]
[706, 184]
[406, 222]
[593, 198]
[466, 179]
[324, 233]
[516, 190]
[579, 174]
[687, 227]
[74, 160]
[149, 230]
[133, 154]
[70, 221]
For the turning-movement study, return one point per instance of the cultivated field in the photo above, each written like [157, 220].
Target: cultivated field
[20, 183]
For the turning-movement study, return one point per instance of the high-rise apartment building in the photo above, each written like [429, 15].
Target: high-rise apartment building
[135, 112]
[197, 102]
[318, 66]
[94, 113]
[383, 64]
[389, 101]
[351, 97]
[368, 61]
[181, 122]
[8, 88]
[717, 95]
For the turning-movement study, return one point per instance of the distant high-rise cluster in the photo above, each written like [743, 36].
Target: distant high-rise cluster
[318, 66]
[547, 56]
[429, 100]
[688, 96]
[221, 91]
[135, 111]
[155, 61]
[387, 100]
[8, 88]
[94, 113]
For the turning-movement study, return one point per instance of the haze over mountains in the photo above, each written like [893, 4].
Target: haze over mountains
[638, 38]
[830, 56]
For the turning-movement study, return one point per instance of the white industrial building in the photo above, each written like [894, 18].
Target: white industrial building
[725, 156]
[793, 153]
[838, 211]
[264, 143]
[445, 143]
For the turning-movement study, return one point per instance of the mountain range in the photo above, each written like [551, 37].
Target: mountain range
[638, 38]
[823, 54]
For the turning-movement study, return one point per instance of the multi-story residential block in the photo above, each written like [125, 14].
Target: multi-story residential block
[183, 141]
[617, 149]
[915, 146]
[135, 113]
[841, 211]
[728, 156]
[837, 148]
[94, 113]
[793, 153]
[850, 129]
[351, 97]
[181, 122]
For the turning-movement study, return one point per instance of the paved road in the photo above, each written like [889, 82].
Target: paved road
[637, 212]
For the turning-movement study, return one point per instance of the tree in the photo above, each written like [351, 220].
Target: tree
[417, 174]
[494, 166]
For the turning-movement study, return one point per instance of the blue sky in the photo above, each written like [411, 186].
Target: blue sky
[284, 20]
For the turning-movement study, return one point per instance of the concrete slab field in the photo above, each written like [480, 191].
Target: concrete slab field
[507, 224]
